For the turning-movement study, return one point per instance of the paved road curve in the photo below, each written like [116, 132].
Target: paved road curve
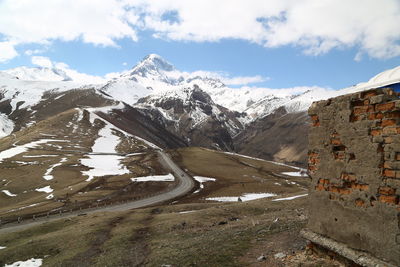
[185, 184]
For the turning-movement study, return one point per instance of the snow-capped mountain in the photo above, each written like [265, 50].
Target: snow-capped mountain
[59, 73]
[39, 74]
[192, 114]
[167, 104]
[154, 75]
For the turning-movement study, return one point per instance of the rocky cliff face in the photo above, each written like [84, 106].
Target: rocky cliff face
[191, 114]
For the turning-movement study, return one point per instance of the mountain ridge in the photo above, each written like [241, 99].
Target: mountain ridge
[193, 108]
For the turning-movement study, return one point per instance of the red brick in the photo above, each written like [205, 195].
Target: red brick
[339, 155]
[363, 187]
[335, 134]
[371, 116]
[324, 181]
[312, 168]
[336, 142]
[314, 118]
[359, 202]
[393, 114]
[354, 118]
[333, 189]
[388, 122]
[389, 173]
[348, 177]
[389, 130]
[379, 116]
[314, 161]
[317, 123]
[386, 190]
[393, 199]
[313, 154]
[320, 187]
[360, 110]
[387, 165]
[344, 191]
[385, 107]
[369, 94]
[388, 140]
[376, 132]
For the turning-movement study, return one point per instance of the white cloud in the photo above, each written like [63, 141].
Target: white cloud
[316, 26]
[224, 77]
[31, 52]
[42, 61]
[7, 51]
[244, 80]
[313, 25]
[99, 22]
[124, 64]
[231, 80]
[113, 75]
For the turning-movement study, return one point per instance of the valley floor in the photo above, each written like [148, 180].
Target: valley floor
[196, 230]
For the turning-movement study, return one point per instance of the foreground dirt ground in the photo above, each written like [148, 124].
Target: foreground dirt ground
[255, 233]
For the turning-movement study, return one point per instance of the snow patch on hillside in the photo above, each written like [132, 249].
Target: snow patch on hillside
[9, 153]
[154, 178]
[8, 193]
[28, 263]
[47, 175]
[106, 162]
[244, 197]
[289, 198]
[46, 189]
[6, 125]
[201, 180]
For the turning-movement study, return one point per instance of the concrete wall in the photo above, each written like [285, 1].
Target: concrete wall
[354, 162]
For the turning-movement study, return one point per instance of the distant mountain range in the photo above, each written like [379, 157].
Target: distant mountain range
[190, 108]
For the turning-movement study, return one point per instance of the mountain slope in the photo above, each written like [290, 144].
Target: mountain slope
[191, 114]
[280, 137]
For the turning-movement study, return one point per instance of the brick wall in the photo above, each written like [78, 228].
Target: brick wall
[354, 162]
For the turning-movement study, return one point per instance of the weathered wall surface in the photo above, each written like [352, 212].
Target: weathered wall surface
[354, 162]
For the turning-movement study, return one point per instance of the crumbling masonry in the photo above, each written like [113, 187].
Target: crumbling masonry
[354, 163]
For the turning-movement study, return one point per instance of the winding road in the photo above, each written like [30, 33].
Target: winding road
[185, 185]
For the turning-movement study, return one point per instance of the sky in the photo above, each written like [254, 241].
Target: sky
[255, 43]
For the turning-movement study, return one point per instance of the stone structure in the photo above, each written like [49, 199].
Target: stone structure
[354, 163]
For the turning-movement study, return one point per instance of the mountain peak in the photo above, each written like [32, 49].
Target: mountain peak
[152, 57]
[153, 62]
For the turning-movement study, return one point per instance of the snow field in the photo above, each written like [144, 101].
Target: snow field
[154, 178]
[245, 197]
